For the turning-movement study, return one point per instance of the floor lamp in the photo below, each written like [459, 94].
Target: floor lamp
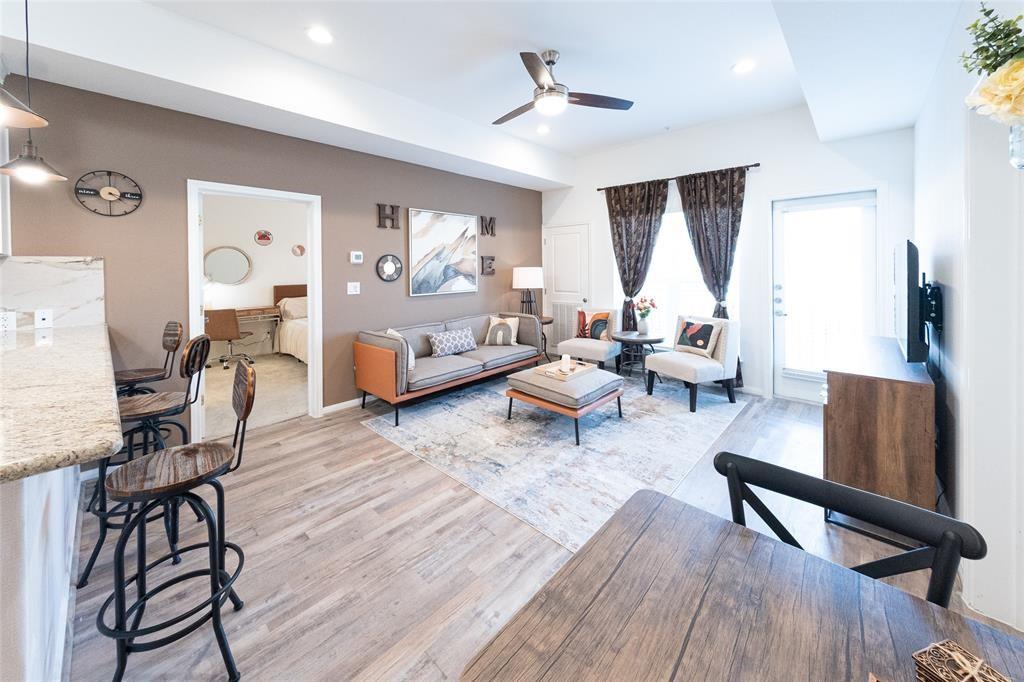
[527, 280]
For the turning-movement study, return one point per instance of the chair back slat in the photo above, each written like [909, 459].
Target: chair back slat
[243, 392]
[171, 340]
[946, 538]
[194, 357]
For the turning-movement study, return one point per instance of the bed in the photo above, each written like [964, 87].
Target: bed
[293, 330]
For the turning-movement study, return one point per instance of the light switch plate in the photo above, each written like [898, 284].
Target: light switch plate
[8, 329]
[355, 257]
[44, 336]
[44, 318]
[353, 288]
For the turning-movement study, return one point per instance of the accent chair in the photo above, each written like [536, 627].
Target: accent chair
[692, 368]
[595, 350]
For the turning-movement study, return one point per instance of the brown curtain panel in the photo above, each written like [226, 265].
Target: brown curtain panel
[713, 206]
[635, 212]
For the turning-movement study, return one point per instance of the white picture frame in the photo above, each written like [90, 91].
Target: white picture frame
[443, 253]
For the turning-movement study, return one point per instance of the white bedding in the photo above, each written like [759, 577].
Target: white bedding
[292, 338]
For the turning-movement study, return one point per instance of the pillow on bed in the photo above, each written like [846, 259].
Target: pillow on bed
[293, 308]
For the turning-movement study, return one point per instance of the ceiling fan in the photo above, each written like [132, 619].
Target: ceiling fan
[551, 98]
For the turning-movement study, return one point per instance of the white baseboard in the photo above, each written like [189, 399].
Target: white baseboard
[355, 402]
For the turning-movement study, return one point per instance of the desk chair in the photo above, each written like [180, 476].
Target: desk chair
[944, 540]
[222, 325]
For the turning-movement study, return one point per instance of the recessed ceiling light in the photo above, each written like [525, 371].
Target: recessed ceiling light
[320, 35]
[543, 129]
[743, 66]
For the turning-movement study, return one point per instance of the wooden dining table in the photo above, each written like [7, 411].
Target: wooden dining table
[668, 591]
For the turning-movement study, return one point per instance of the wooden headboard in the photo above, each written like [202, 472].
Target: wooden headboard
[288, 291]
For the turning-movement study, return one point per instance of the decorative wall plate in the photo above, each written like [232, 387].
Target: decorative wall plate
[108, 193]
[298, 250]
[389, 268]
[263, 237]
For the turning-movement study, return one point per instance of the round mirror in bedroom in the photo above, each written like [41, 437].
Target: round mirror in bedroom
[227, 265]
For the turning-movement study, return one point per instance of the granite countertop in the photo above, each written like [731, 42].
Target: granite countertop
[58, 404]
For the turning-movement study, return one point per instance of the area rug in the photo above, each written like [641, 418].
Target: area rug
[530, 465]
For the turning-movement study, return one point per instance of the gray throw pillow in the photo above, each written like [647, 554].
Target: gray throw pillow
[451, 342]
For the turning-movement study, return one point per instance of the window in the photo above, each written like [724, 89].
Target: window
[674, 279]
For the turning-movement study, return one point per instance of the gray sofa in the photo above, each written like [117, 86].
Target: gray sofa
[381, 360]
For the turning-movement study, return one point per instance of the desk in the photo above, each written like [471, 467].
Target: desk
[267, 313]
[667, 591]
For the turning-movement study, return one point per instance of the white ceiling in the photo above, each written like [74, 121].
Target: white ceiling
[672, 59]
[866, 67]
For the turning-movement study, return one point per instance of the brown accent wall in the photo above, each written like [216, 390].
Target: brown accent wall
[145, 252]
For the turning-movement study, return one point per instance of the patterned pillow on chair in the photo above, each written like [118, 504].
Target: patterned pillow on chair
[593, 324]
[452, 342]
[502, 332]
[698, 337]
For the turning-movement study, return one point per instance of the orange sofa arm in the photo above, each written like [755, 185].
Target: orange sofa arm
[375, 370]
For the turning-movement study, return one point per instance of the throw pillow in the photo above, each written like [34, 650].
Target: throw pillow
[502, 332]
[452, 342]
[408, 348]
[593, 324]
[698, 337]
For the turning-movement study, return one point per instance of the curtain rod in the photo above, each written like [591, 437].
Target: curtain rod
[748, 166]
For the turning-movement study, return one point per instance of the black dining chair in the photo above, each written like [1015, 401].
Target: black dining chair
[944, 540]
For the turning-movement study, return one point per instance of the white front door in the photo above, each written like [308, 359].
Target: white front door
[825, 285]
[566, 278]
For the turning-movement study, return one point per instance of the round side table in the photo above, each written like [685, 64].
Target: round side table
[635, 349]
[545, 320]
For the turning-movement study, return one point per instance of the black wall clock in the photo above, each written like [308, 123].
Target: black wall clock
[108, 193]
[389, 268]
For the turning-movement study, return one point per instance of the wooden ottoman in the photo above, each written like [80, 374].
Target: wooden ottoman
[573, 398]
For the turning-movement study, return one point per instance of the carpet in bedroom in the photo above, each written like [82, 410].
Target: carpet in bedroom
[281, 393]
[530, 466]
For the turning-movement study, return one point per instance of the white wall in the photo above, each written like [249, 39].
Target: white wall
[969, 217]
[232, 221]
[793, 164]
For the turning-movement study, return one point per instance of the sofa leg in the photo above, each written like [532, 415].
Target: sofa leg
[730, 388]
[509, 409]
[396, 415]
[650, 381]
[693, 397]
[364, 400]
[600, 365]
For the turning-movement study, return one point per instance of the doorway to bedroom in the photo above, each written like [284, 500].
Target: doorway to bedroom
[254, 289]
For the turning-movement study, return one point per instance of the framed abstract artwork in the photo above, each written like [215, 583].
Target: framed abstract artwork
[442, 253]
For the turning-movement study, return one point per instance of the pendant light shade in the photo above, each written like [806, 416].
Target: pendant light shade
[16, 114]
[31, 168]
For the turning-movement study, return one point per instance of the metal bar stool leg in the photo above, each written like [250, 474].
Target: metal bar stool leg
[222, 550]
[100, 495]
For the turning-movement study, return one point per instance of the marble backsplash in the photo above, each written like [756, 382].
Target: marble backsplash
[71, 286]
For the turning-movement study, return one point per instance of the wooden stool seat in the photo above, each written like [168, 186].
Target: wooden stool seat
[135, 407]
[168, 472]
[138, 376]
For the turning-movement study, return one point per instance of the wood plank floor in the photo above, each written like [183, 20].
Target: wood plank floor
[363, 562]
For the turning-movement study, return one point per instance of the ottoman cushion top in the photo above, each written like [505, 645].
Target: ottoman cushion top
[575, 393]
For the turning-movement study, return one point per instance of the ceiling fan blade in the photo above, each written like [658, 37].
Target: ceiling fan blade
[538, 70]
[512, 114]
[600, 101]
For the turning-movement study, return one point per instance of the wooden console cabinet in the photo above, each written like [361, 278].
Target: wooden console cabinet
[880, 423]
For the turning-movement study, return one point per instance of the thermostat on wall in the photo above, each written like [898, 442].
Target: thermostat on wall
[355, 257]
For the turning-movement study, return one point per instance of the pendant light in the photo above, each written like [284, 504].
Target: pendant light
[29, 166]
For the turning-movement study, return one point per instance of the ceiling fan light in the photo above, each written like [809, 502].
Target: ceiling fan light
[30, 168]
[550, 102]
[16, 114]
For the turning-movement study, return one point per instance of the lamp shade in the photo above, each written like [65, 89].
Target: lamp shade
[31, 168]
[16, 114]
[527, 278]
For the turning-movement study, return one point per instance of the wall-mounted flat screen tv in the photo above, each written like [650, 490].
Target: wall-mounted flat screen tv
[910, 303]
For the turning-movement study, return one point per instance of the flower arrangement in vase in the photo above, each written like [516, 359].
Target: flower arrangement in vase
[998, 56]
[644, 307]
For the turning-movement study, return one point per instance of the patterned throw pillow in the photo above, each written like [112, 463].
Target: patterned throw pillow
[452, 342]
[592, 324]
[408, 348]
[502, 332]
[698, 337]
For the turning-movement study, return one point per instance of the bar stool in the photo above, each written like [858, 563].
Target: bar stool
[128, 380]
[150, 413]
[163, 479]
